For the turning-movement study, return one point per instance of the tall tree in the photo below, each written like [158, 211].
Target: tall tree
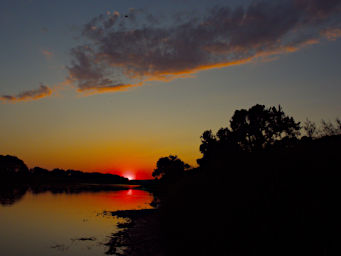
[255, 129]
[259, 127]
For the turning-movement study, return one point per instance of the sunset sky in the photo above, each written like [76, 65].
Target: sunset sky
[112, 86]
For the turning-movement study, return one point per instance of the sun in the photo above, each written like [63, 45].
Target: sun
[129, 175]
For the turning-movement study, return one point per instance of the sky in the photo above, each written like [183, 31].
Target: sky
[112, 86]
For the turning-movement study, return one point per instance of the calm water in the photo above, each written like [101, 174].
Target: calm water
[53, 224]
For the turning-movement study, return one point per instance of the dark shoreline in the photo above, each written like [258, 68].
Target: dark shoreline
[140, 234]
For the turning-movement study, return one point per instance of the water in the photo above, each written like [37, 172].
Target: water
[63, 224]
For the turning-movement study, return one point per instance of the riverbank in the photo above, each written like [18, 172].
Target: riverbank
[140, 234]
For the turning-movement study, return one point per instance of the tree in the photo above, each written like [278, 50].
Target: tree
[310, 128]
[170, 168]
[11, 166]
[255, 129]
[329, 129]
[326, 128]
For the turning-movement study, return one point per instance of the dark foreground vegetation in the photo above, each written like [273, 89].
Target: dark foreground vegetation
[261, 188]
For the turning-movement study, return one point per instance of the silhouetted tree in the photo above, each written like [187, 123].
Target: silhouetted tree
[37, 171]
[255, 129]
[258, 127]
[170, 168]
[11, 166]
[330, 129]
[326, 128]
[310, 128]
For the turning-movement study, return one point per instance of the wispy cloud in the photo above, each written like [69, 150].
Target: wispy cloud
[127, 50]
[41, 92]
[331, 33]
[48, 54]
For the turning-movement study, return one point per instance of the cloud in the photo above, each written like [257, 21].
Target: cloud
[332, 33]
[137, 47]
[125, 50]
[47, 54]
[41, 92]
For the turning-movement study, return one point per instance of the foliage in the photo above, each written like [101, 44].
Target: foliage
[330, 129]
[310, 128]
[170, 168]
[326, 128]
[12, 166]
[255, 129]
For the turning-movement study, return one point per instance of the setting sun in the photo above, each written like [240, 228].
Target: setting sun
[129, 175]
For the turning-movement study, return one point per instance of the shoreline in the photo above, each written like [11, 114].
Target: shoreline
[139, 235]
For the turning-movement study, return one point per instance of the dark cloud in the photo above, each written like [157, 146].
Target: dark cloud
[138, 47]
[41, 92]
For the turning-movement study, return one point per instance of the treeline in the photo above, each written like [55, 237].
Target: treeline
[265, 185]
[14, 170]
[16, 179]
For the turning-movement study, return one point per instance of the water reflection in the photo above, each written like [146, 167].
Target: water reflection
[11, 194]
[52, 223]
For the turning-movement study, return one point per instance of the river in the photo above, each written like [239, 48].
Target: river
[66, 224]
